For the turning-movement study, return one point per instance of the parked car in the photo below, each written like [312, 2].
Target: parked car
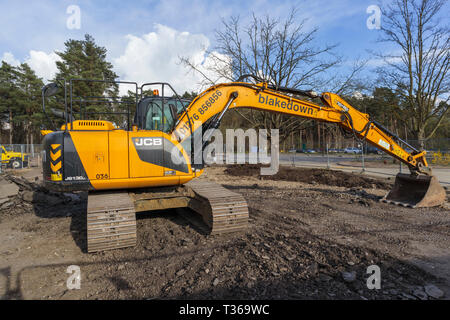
[374, 150]
[352, 150]
[292, 150]
[310, 151]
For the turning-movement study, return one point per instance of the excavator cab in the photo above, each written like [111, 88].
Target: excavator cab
[156, 113]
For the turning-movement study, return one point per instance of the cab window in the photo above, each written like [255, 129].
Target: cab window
[163, 120]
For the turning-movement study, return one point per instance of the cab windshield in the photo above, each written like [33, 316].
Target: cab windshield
[152, 115]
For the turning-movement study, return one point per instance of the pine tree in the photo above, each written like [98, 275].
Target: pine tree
[84, 59]
[189, 95]
[30, 116]
[9, 96]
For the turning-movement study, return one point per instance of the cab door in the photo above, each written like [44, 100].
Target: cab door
[146, 146]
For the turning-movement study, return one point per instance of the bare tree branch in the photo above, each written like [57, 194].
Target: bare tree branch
[419, 68]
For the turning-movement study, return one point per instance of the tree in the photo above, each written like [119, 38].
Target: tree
[20, 102]
[418, 68]
[84, 59]
[9, 96]
[282, 52]
[189, 95]
[29, 116]
[442, 132]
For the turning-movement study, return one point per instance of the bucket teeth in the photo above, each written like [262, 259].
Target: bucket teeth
[416, 191]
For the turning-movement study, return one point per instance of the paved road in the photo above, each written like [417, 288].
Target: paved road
[336, 161]
[318, 161]
[302, 157]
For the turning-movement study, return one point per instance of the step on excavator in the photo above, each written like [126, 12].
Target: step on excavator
[129, 167]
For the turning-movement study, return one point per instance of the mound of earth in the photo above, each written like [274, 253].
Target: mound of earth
[316, 244]
[308, 175]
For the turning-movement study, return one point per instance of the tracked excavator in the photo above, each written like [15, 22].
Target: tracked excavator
[146, 164]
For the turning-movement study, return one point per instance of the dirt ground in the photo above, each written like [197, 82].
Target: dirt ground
[306, 240]
[308, 175]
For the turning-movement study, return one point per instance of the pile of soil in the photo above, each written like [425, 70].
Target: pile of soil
[31, 197]
[313, 176]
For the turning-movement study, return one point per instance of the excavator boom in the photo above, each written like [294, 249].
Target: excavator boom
[216, 100]
[418, 189]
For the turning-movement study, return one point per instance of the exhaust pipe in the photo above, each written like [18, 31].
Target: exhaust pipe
[416, 191]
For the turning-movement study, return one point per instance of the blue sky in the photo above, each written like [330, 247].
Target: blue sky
[40, 26]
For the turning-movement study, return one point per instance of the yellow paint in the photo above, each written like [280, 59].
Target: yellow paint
[111, 161]
[139, 168]
[118, 154]
[92, 148]
[56, 177]
[45, 132]
[257, 96]
[55, 167]
[89, 125]
[56, 155]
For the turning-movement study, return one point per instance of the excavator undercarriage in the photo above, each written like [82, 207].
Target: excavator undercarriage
[111, 216]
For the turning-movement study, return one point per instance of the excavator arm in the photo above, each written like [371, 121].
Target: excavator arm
[211, 105]
[418, 189]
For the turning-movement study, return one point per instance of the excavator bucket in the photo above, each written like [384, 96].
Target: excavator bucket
[416, 191]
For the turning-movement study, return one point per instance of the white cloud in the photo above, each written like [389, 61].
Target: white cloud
[357, 95]
[43, 64]
[8, 57]
[155, 57]
[152, 57]
[392, 56]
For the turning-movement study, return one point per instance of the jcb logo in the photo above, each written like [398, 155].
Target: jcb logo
[139, 142]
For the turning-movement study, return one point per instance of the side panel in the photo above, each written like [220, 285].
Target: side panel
[175, 158]
[155, 154]
[62, 166]
[146, 154]
[72, 166]
[52, 157]
[92, 148]
[118, 154]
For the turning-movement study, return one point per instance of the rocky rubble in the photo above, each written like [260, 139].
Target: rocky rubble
[18, 195]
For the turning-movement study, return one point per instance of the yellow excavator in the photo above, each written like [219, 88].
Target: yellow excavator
[145, 164]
